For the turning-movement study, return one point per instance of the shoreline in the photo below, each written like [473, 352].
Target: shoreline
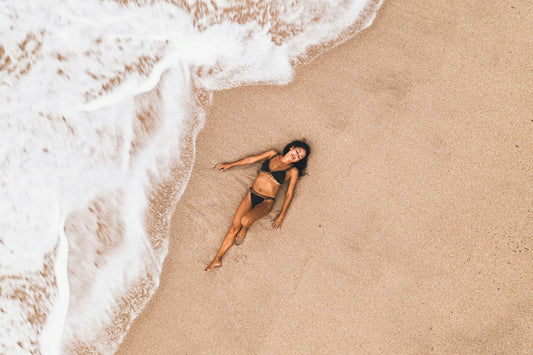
[411, 232]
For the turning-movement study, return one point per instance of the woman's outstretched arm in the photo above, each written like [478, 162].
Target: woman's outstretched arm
[248, 160]
[293, 176]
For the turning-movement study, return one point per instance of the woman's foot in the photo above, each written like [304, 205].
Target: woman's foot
[239, 239]
[214, 263]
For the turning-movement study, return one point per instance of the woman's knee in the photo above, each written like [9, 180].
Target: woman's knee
[246, 221]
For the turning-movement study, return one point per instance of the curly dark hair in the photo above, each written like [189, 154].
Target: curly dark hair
[302, 164]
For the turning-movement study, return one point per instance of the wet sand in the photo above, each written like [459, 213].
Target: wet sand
[413, 230]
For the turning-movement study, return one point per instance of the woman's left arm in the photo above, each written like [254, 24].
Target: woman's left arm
[293, 176]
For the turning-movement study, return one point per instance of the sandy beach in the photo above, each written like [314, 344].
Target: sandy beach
[413, 230]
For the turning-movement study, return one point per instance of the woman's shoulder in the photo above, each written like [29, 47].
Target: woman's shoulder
[272, 153]
[293, 171]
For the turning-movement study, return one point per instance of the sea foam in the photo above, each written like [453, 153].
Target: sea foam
[101, 102]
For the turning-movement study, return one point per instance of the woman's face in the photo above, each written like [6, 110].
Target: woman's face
[296, 154]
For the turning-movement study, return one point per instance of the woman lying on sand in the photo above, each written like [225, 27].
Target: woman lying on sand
[257, 203]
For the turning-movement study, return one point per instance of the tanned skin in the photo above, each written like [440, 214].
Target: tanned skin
[265, 185]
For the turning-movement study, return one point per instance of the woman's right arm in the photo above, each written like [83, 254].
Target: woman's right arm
[248, 160]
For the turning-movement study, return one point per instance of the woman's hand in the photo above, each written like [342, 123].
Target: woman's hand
[277, 222]
[222, 166]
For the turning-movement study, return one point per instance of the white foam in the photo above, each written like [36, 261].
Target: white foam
[97, 101]
[52, 333]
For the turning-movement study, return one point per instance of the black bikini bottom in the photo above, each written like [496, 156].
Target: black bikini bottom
[257, 198]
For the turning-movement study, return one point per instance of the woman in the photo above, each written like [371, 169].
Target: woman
[257, 203]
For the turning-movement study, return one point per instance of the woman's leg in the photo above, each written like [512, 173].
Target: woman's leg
[244, 207]
[251, 216]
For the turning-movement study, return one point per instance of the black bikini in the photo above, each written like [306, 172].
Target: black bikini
[255, 197]
[279, 175]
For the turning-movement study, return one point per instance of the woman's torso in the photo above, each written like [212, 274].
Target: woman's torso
[271, 169]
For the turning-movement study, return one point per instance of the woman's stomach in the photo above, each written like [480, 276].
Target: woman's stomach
[266, 185]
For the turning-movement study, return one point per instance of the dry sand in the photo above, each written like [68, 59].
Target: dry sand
[412, 232]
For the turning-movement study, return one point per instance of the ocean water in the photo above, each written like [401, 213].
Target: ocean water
[100, 103]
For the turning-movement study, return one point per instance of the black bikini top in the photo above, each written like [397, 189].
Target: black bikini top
[278, 175]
